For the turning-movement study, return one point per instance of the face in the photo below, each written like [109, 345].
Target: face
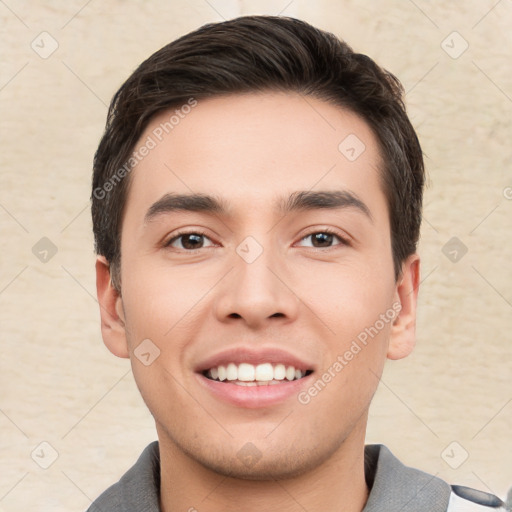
[258, 301]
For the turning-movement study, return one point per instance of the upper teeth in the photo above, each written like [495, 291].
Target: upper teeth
[246, 372]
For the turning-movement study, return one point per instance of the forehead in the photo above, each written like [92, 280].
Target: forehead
[254, 149]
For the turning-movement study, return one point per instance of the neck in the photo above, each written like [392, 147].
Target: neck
[337, 484]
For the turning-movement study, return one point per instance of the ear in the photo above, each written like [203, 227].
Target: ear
[111, 311]
[403, 330]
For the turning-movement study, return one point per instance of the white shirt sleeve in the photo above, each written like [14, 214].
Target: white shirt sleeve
[458, 504]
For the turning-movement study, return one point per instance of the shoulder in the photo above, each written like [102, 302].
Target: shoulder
[138, 487]
[396, 487]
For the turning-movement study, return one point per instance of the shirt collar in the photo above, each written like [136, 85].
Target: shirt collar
[393, 486]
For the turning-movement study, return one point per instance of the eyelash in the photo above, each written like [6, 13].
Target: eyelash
[343, 240]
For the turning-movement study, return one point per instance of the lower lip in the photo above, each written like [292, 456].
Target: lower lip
[253, 397]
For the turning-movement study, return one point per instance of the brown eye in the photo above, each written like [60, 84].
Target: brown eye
[322, 239]
[189, 241]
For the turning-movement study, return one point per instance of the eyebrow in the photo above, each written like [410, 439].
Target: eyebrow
[186, 202]
[297, 201]
[331, 199]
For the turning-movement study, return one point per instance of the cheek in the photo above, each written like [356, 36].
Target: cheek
[160, 322]
[347, 297]
[167, 306]
[354, 304]
[158, 298]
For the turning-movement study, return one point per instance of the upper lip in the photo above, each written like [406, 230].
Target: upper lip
[238, 355]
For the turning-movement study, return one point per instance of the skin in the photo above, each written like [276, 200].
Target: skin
[312, 301]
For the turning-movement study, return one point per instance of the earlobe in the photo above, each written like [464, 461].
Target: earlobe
[111, 311]
[403, 330]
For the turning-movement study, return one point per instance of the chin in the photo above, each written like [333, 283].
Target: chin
[256, 463]
[273, 468]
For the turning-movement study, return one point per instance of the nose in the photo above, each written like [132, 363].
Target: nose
[257, 292]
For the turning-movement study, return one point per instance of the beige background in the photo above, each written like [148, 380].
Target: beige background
[58, 382]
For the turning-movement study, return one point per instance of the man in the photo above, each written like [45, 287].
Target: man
[256, 206]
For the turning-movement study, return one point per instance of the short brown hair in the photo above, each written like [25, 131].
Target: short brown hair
[252, 54]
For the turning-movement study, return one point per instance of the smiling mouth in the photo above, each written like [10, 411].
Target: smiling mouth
[265, 374]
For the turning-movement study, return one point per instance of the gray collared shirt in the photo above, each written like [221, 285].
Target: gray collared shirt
[393, 487]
